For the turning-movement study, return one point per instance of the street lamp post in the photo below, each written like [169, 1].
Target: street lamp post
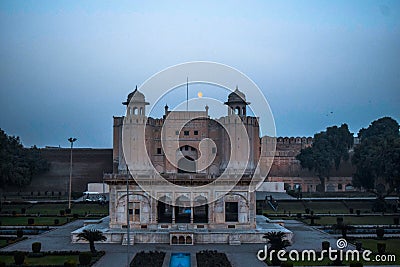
[71, 140]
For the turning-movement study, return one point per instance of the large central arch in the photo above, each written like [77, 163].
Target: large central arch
[187, 163]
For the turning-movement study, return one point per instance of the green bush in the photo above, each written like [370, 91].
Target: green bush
[31, 221]
[380, 232]
[85, 258]
[62, 212]
[75, 216]
[325, 245]
[36, 247]
[67, 211]
[19, 257]
[70, 263]
[381, 247]
[20, 233]
[56, 221]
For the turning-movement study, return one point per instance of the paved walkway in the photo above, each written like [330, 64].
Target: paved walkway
[308, 237]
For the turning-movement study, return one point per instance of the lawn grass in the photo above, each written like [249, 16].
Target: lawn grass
[356, 220]
[89, 208]
[23, 221]
[47, 209]
[54, 209]
[327, 207]
[46, 260]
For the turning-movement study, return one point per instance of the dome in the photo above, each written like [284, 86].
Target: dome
[237, 97]
[135, 97]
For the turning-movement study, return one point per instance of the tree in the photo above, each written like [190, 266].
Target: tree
[18, 164]
[277, 241]
[377, 159]
[91, 236]
[328, 150]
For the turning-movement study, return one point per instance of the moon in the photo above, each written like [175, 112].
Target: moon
[200, 94]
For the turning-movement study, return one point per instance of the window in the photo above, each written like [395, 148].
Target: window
[137, 211]
[176, 132]
[186, 147]
[196, 132]
[186, 133]
[214, 150]
[159, 150]
[231, 212]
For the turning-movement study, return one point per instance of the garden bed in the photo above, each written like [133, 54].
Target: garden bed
[51, 258]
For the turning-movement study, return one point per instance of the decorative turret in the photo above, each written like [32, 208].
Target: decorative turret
[136, 103]
[237, 103]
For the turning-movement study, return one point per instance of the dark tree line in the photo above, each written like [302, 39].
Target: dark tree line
[18, 164]
[328, 150]
[376, 157]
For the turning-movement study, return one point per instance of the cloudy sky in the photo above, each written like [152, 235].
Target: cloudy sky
[66, 66]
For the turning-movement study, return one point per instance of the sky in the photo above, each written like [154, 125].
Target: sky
[66, 66]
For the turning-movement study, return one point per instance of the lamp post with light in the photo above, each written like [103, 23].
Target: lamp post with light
[71, 140]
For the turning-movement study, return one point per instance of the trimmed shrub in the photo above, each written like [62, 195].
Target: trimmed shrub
[85, 258]
[67, 211]
[14, 213]
[19, 257]
[325, 245]
[20, 233]
[351, 210]
[298, 215]
[307, 210]
[23, 210]
[31, 221]
[36, 247]
[396, 220]
[70, 263]
[339, 220]
[381, 247]
[75, 216]
[380, 232]
[56, 221]
[62, 212]
[358, 212]
[358, 246]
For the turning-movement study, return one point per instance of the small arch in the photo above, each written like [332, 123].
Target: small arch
[340, 186]
[181, 240]
[244, 111]
[141, 111]
[189, 240]
[134, 111]
[174, 240]
[237, 110]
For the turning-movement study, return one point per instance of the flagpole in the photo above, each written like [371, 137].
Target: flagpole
[187, 93]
